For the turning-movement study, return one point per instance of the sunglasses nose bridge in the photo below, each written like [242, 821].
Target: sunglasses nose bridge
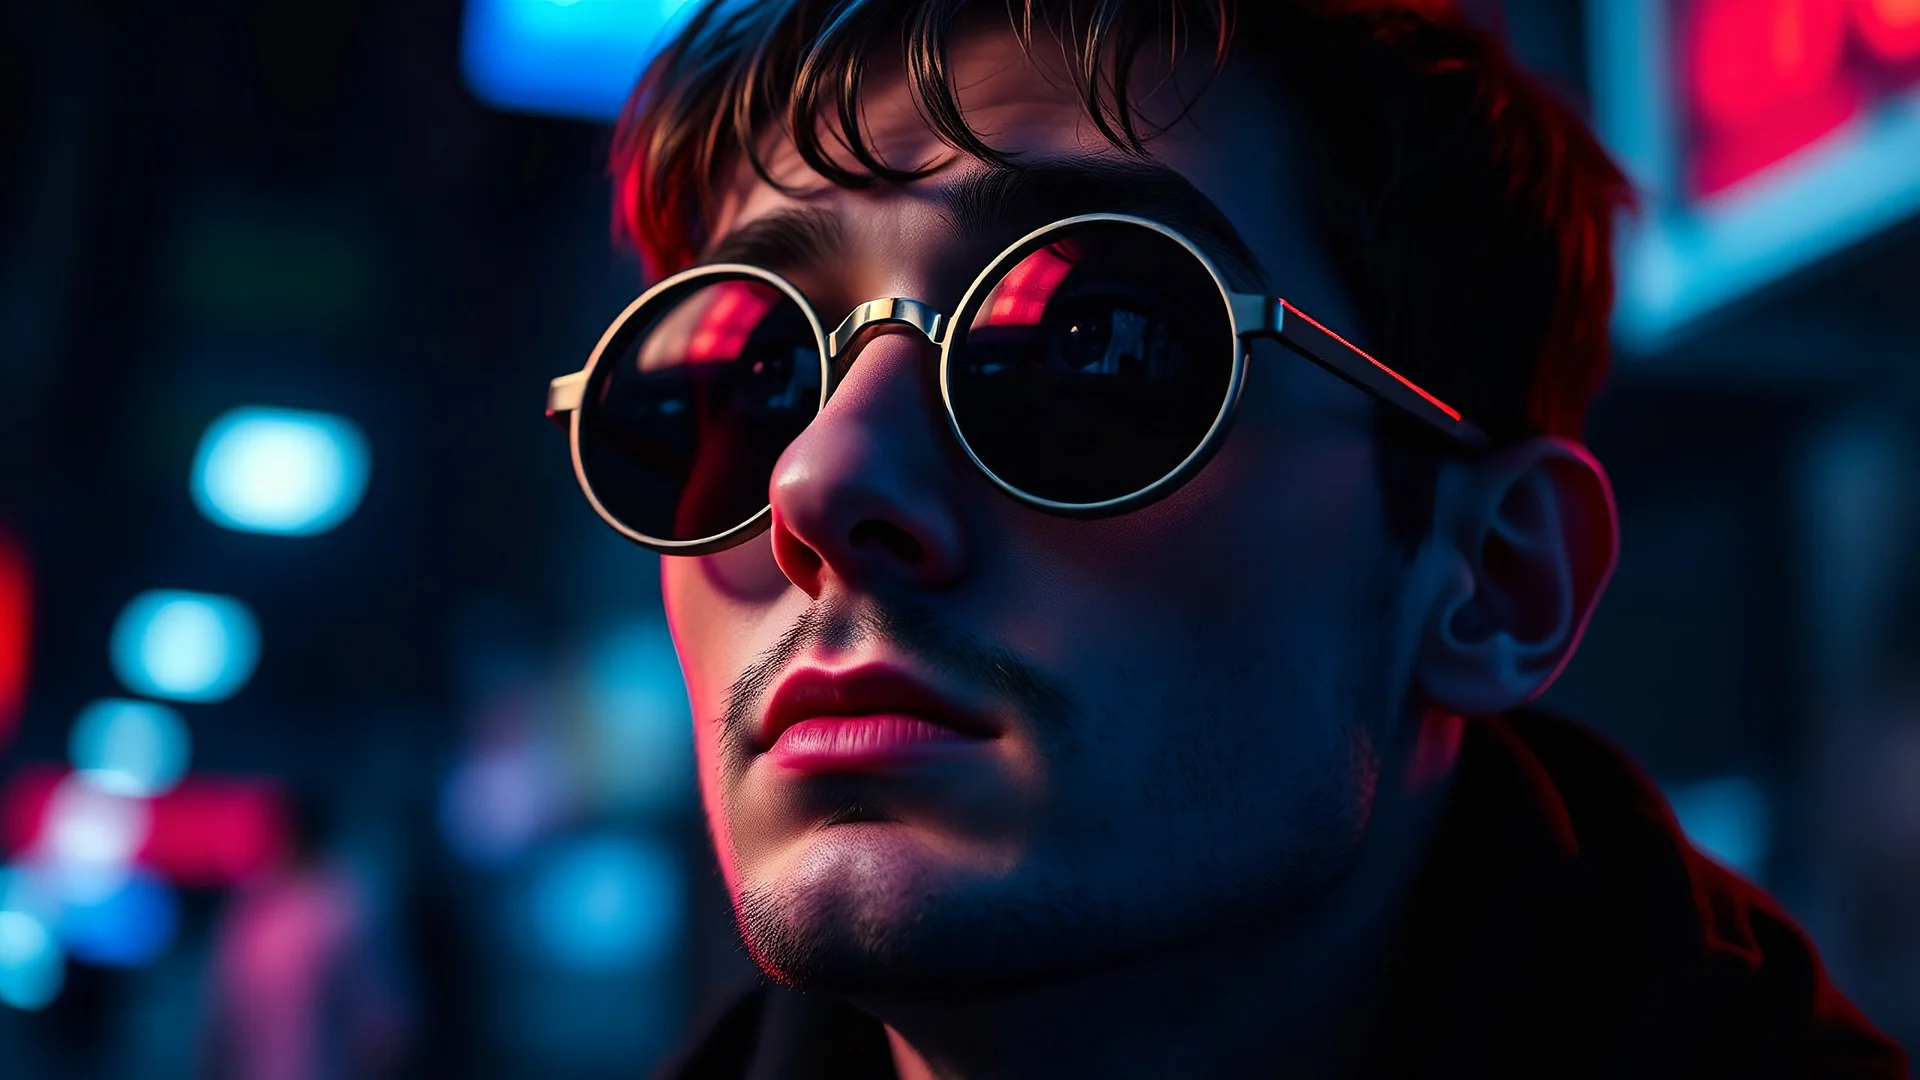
[890, 309]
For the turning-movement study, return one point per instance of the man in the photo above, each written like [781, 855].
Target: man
[1119, 474]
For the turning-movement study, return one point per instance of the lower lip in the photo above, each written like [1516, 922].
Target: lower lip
[852, 743]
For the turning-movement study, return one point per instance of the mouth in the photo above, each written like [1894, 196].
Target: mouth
[867, 718]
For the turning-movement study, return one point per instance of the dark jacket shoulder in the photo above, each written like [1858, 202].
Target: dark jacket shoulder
[1640, 956]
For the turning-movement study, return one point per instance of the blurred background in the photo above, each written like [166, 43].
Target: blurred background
[336, 733]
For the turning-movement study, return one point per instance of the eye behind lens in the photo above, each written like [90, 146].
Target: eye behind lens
[694, 401]
[1093, 367]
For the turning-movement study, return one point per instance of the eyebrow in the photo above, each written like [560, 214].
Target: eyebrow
[783, 241]
[1004, 202]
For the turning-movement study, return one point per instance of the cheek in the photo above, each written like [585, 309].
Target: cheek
[1246, 603]
[1274, 533]
[713, 605]
[1293, 495]
[707, 760]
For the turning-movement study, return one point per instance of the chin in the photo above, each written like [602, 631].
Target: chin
[869, 908]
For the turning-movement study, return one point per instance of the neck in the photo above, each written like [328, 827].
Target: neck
[1295, 998]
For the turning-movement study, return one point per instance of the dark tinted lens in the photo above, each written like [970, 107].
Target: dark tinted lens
[685, 418]
[1095, 365]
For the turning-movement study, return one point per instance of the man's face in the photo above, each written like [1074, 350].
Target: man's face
[1181, 703]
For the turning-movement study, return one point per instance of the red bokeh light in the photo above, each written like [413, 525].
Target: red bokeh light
[16, 632]
[1749, 57]
[1768, 79]
[209, 831]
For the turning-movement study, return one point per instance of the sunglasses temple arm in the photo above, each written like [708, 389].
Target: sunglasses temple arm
[1299, 332]
[563, 397]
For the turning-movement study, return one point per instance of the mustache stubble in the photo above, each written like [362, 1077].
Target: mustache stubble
[907, 628]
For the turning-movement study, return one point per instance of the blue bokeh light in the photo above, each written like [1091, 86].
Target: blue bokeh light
[185, 646]
[641, 724]
[577, 58]
[131, 926]
[1726, 818]
[498, 801]
[32, 967]
[25, 887]
[280, 471]
[137, 747]
[607, 903]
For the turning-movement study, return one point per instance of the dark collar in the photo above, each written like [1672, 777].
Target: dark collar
[773, 1033]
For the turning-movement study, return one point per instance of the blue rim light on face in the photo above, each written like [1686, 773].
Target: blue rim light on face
[185, 646]
[280, 471]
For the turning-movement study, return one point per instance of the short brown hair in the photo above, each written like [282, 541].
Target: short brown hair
[1468, 211]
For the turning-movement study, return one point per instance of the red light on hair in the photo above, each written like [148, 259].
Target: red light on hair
[16, 633]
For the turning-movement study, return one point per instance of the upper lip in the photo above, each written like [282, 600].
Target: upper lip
[869, 690]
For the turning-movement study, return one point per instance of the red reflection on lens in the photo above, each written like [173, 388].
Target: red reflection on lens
[711, 325]
[736, 309]
[1020, 299]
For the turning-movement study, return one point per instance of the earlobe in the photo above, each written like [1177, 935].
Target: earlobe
[1528, 540]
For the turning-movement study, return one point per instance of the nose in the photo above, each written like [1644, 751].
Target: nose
[865, 498]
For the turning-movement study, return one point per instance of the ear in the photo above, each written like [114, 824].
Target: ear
[1527, 540]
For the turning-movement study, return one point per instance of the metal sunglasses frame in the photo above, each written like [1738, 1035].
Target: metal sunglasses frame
[1251, 315]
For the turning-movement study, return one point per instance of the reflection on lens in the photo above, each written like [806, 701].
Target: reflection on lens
[693, 404]
[1093, 366]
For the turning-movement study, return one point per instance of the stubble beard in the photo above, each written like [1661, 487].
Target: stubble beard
[863, 924]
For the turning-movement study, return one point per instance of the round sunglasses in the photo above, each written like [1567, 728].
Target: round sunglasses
[1092, 368]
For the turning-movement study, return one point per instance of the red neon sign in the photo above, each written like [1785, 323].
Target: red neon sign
[16, 633]
[1767, 79]
[209, 831]
[1891, 28]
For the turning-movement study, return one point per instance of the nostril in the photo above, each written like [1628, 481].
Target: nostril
[892, 537]
[798, 561]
